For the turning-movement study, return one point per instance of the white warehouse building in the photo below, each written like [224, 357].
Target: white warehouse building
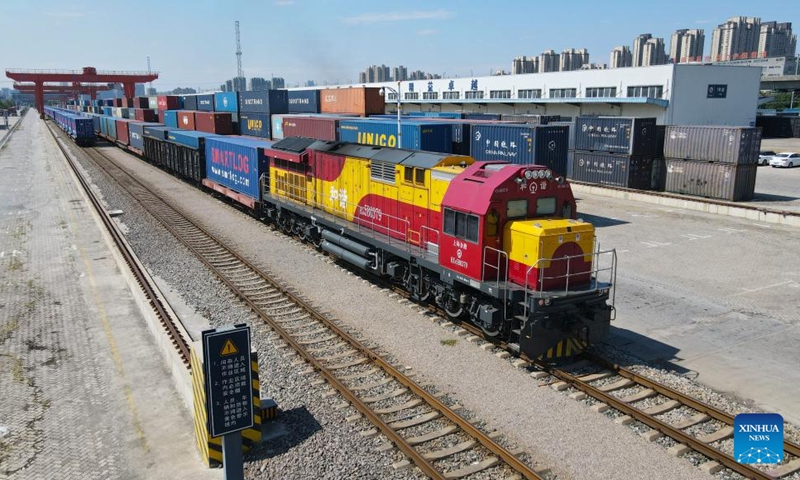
[675, 94]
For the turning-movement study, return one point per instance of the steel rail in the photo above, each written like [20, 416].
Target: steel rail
[155, 302]
[425, 466]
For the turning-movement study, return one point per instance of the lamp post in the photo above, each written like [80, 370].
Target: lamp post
[397, 94]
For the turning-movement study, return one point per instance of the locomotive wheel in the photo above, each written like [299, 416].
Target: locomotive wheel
[489, 333]
[453, 309]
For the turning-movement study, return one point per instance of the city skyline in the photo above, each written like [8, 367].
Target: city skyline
[336, 40]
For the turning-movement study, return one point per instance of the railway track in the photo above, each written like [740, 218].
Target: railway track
[173, 329]
[431, 435]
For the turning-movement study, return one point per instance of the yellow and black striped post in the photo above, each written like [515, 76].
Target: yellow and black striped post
[211, 448]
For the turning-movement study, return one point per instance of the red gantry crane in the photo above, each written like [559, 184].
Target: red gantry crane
[75, 89]
[87, 75]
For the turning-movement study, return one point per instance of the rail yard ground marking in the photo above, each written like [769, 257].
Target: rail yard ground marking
[692, 236]
[751, 290]
[731, 230]
[654, 244]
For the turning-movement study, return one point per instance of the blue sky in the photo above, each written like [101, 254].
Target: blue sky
[192, 43]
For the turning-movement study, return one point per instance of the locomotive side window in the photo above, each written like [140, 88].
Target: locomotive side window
[461, 225]
[419, 176]
[408, 174]
[545, 206]
[517, 209]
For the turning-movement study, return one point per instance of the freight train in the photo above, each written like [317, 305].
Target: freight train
[492, 243]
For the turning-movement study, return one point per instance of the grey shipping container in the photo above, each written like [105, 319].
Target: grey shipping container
[521, 144]
[725, 181]
[659, 179]
[266, 101]
[739, 145]
[531, 119]
[189, 102]
[661, 131]
[609, 169]
[623, 135]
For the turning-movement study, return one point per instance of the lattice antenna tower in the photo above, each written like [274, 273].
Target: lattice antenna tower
[239, 71]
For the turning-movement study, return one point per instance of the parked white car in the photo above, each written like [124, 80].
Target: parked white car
[785, 159]
[764, 157]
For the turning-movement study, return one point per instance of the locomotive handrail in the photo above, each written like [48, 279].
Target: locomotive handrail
[426, 239]
[500, 255]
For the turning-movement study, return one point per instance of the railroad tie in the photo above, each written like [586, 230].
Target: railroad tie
[432, 435]
[371, 385]
[646, 393]
[786, 469]
[693, 420]
[385, 396]
[721, 434]
[356, 376]
[397, 408]
[662, 407]
[415, 421]
[616, 385]
[471, 469]
[444, 453]
[595, 376]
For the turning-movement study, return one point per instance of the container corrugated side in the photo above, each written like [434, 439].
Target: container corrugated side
[276, 122]
[303, 101]
[726, 181]
[266, 102]
[156, 131]
[189, 138]
[189, 102]
[171, 118]
[220, 123]
[236, 163]
[429, 136]
[362, 101]
[226, 102]
[205, 103]
[546, 145]
[121, 132]
[609, 169]
[136, 131]
[186, 119]
[152, 102]
[320, 128]
[739, 145]
[254, 124]
[622, 135]
[169, 102]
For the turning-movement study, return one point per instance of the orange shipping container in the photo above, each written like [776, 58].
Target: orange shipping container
[358, 101]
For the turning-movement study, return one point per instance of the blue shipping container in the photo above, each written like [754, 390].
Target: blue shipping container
[437, 114]
[189, 138]
[111, 127]
[522, 144]
[226, 102]
[236, 163]
[205, 103]
[429, 136]
[156, 131]
[107, 111]
[303, 101]
[267, 101]
[254, 124]
[171, 118]
[136, 131]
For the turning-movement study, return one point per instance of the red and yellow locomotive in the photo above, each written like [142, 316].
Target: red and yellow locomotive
[492, 243]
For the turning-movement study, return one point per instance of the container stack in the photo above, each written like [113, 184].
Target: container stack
[713, 162]
[615, 151]
[522, 144]
[257, 108]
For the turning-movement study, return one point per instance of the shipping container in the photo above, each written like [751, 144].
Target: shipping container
[145, 115]
[726, 181]
[610, 169]
[522, 144]
[661, 131]
[361, 101]
[778, 127]
[189, 102]
[122, 135]
[266, 102]
[169, 102]
[127, 102]
[108, 111]
[156, 131]
[205, 103]
[321, 128]
[659, 180]
[118, 103]
[186, 119]
[109, 102]
[276, 122]
[254, 124]
[622, 135]
[171, 118]
[531, 119]
[152, 102]
[136, 132]
[236, 163]
[738, 145]
[129, 113]
[141, 102]
[220, 123]
[571, 126]
[429, 136]
[116, 112]
[452, 115]
[189, 138]
[302, 101]
[481, 116]
[226, 102]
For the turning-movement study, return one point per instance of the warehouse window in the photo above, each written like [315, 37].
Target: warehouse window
[500, 94]
[461, 225]
[451, 95]
[412, 95]
[391, 96]
[473, 94]
[530, 93]
[597, 92]
[430, 95]
[649, 91]
[563, 93]
[382, 171]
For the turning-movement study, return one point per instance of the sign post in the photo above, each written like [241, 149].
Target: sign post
[228, 392]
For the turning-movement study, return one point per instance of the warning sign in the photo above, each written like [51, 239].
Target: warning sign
[228, 379]
[229, 348]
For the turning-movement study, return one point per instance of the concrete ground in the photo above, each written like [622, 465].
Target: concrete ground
[778, 188]
[84, 392]
[716, 296]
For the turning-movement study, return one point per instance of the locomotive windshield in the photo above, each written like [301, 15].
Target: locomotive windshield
[546, 206]
[517, 209]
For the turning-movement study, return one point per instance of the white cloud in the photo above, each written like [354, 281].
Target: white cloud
[65, 14]
[430, 31]
[369, 18]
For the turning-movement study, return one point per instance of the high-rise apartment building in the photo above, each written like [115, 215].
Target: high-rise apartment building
[572, 59]
[621, 57]
[278, 82]
[638, 49]
[687, 46]
[400, 74]
[776, 40]
[362, 77]
[522, 65]
[549, 61]
[259, 84]
[735, 39]
[654, 53]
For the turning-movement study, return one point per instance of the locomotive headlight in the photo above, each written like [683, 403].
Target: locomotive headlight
[528, 174]
[549, 175]
[547, 301]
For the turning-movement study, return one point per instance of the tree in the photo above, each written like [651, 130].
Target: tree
[782, 101]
